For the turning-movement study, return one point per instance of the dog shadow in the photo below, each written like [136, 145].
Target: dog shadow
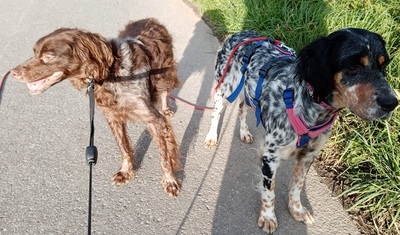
[203, 64]
[141, 147]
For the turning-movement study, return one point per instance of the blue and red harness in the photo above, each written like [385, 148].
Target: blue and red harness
[304, 133]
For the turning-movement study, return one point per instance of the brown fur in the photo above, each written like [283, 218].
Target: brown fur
[134, 74]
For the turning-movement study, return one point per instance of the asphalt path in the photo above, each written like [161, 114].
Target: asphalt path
[43, 171]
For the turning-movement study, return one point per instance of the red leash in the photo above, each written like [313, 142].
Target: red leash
[195, 106]
[231, 56]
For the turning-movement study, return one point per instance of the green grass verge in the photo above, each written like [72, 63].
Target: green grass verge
[366, 154]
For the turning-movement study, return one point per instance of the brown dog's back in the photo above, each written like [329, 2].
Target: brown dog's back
[159, 48]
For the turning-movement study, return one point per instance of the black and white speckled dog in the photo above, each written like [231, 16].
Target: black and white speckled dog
[297, 99]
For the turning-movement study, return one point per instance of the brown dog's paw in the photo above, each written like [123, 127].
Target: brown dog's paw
[121, 177]
[168, 113]
[172, 187]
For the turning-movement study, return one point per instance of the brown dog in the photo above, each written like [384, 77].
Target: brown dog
[132, 73]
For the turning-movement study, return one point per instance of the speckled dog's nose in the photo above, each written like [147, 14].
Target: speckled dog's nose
[387, 103]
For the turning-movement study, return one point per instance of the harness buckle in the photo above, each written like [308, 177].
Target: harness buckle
[256, 103]
[246, 58]
[264, 70]
[303, 140]
[244, 68]
[286, 48]
[288, 96]
[249, 53]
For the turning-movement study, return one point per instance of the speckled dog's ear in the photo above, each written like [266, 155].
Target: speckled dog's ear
[315, 66]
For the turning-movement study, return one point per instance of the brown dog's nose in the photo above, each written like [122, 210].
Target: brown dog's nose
[388, 103]
[15, 73]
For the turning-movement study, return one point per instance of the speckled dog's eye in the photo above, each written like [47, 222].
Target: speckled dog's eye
[354, 68]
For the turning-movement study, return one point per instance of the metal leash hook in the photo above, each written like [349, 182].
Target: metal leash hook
[91, 151]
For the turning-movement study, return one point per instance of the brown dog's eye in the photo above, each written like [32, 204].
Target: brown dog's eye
[47, 57]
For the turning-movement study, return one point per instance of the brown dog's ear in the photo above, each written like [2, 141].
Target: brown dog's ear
[95, 53]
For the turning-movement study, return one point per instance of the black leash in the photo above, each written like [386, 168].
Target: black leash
[91, 151]
[2, 84]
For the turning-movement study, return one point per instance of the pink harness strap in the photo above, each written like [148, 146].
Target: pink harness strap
[301, 128]
[304, 133]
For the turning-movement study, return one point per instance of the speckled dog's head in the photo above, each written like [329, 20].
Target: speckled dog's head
[347, 69]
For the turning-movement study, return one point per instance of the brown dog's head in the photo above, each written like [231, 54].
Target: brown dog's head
[347, 70]
[65, 53]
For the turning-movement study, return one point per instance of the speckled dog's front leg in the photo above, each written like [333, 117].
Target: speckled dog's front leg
[298, 211]
[269, 164]
[212, 135]
[304, 160]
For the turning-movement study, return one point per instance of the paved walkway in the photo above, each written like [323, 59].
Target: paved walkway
[43, 173]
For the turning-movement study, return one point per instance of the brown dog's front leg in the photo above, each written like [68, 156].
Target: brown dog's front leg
[163, 134]
[121, 137]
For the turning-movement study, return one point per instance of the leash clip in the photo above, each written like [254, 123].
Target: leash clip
[288, 49]
[90, 85]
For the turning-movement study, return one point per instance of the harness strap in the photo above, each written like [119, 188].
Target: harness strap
[255, 101]
[304, 133]
[262, 75]
[246, 60]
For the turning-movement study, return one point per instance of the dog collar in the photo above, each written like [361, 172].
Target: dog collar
[310, 89]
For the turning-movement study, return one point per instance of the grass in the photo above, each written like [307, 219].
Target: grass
[364, 154]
